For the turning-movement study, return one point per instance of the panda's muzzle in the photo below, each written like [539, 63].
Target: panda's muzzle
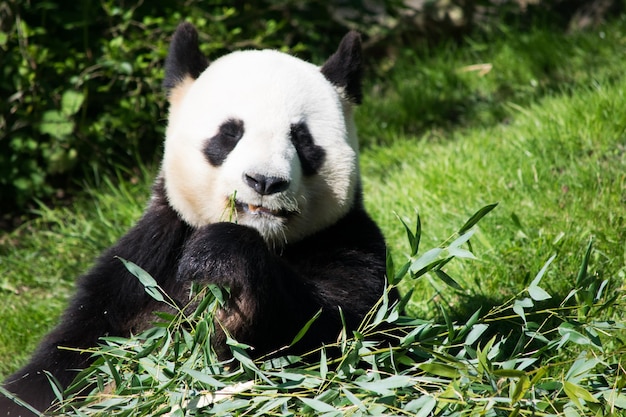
[263, 186]
[260, 210]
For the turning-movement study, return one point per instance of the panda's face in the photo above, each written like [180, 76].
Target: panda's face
[262, 139]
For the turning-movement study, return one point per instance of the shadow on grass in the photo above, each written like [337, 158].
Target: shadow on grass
[483, 80]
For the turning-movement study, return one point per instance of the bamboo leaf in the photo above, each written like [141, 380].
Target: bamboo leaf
[470, 323]
[439, 369]
[509, 373]
[386, 386]
[475, 333]
[354, 400]
[56, 386]
[461, 253]
[615, 399]
[223, 408]
[401, 273]
[447, 279]
[541, 273]
[520, 389]
[569, 333]
[462, 239]
[323, 363]
[318, 405]
[271, 405]
[582, 271]
[519, 305]
[150, 285]
[201, 333]
[202, 377]
[576, 393]
[113, 372]
[418, 235]
[404, 300]
[305, 328]
[538, 294]
[570, 412]
[449, 324]
[412, 238]
[202, 306]
[382, 310]
[476, 217]
[425, 260]
[422, 406]
[581, 367]
[218, 293]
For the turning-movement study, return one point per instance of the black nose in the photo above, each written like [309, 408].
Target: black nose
[266, 185]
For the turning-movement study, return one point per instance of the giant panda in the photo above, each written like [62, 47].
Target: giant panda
[259, 191]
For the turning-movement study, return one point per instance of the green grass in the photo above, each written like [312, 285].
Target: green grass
[542, 133]
[40, 261]
[554, 157]
[557, 171]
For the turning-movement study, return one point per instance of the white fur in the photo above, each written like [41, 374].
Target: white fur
[268, 91]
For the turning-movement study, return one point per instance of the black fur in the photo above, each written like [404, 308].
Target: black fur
[281, 292]
[344, 68]
[221, 145]
[184, 57]
[311, 155]
[272, 294]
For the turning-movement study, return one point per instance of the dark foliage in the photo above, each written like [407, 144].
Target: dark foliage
[81, 82]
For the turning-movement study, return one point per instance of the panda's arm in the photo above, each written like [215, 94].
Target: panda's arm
[346, 265]
[236, 257]
[274, 294]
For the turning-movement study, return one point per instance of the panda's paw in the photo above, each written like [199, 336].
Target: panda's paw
[224, 254]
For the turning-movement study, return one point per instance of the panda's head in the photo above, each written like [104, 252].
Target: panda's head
[261, 138]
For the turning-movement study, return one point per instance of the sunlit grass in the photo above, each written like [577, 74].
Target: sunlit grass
[558, 172]
[555, 161]
[40, 261]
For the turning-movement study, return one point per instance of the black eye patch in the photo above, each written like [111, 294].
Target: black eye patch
[311, 155]
[217, 148]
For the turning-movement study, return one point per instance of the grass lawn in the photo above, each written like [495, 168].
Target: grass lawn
[535, 121]
[546, 140]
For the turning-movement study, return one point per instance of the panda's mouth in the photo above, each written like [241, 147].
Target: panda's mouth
[260, 210]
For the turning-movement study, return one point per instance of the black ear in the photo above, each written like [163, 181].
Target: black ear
[344, 68]
[184, 58]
